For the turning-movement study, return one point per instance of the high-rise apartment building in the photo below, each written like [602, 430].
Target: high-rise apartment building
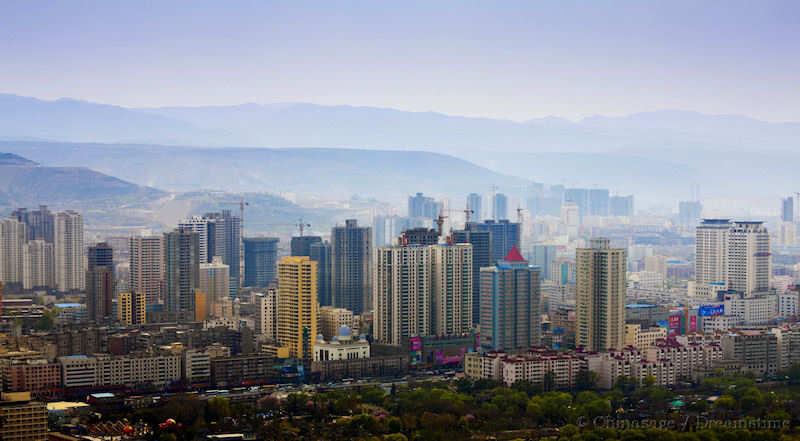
[451, 289]
[297, 305]
[475, 205]
[499, 207]
[543, 256]
[735, 255]
[620, 205]
[267, 314]
[422, 290]
[214, 282]
[131, 309]
[580, 196]
[40, 223]
[601, 287]
[689, 213]
[481, 242]
[422, 206]
[510, 304]
[351, 249]
[204, 228]
[260, 261]
[749, 259]
[402, 296]
[181, 272]
[38, 265]
[147, 268]
[12, 241]
[787, 209]
[68, 239]
[301, 245]
[419, 236]
[711, 251]
[321, 253]
[227, 243]
[100, 282]
[598, 202]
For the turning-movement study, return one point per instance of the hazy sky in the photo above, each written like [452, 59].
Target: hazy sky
[501, 59]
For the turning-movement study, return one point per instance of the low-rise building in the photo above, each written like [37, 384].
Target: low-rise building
[643, 338]
[534, 366]
[690, 360]
[343, 346]
[381, 366]
[242, 370]
[755, 350]
[788, 345]
[22, 419]
[36, 375]
[80, 371]
[196, 367]
[760, 308]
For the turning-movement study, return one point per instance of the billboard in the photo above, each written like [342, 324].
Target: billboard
[711, 310]
[675, 322]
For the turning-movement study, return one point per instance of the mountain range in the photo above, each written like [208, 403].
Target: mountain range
[343, 150]
[310, 125]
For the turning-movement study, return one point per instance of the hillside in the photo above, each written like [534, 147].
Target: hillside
[25, 183]
[326, 173]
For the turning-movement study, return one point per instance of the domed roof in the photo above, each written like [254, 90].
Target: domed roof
[345, 331]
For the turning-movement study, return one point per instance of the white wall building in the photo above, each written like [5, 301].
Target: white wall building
[69, 251]
[341, 347]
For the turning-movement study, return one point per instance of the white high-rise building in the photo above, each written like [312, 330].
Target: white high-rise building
[199, 225]
[147, 268]
[12, 239]
[733, 255]
[452, 289]
[711, 251]
[267, 314]
[69, 251]
[570, 218]
[749, 259]
[401, 293]
[787, 234]
[38, 265]
[422, 290]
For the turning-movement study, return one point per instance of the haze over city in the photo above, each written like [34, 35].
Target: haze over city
[399, 220]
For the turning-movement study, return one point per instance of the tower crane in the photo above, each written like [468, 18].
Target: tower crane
[301, 226]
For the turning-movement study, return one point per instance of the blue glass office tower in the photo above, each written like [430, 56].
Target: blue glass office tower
[504, 236]
[481, 257]
[260, 261]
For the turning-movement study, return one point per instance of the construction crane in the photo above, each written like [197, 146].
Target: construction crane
[301, 226]
[467, 213]
[440, 223]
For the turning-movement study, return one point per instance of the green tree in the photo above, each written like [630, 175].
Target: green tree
[218, 408]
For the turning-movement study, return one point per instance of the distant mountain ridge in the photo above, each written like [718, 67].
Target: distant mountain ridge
[289, 125]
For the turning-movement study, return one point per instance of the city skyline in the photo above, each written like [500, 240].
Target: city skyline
[399, 221]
